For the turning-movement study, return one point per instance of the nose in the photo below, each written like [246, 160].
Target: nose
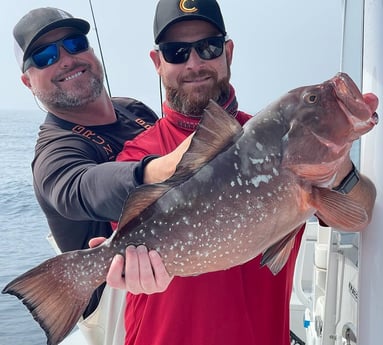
[194, 59]
[65, 57]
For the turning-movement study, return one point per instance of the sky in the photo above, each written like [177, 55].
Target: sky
[279, 45]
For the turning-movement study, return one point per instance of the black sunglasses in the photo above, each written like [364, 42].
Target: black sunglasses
[178, 52]
[50, 53]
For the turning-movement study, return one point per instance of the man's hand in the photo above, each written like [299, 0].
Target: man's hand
[140, 272]
[160, 169]
[372, 101]
[144, 271]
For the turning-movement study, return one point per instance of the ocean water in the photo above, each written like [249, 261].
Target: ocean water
[23, 227]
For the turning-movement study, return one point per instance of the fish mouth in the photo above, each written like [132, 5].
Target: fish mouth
[350, 99]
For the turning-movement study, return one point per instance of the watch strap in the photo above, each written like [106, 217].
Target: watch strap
[349, 182]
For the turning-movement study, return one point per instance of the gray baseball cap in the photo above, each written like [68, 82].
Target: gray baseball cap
[38, 22]
[169, 12]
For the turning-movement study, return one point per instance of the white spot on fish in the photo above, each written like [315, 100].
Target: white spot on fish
[259, 146]
[260, 178]
[255, 161]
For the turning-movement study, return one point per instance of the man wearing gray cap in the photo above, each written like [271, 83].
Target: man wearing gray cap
[77, 183]
[243, 305]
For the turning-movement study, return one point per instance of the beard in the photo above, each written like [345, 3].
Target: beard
[192, 102]
[81, 93]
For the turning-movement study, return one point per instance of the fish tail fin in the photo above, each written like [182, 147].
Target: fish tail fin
[54, 294]
[276, 256]
[338, 210]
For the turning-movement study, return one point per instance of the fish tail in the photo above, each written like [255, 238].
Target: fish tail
[58, 291]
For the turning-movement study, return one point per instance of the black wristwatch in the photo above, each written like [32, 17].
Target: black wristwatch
[349, 182]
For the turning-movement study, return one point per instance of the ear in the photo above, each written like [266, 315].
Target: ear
[26, 81]
[229, 47]
[155, 56]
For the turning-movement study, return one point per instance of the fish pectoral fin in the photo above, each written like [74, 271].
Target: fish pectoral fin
[338, 210]
[216, 131]
[276, 256]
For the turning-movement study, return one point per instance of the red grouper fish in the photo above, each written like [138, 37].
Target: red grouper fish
[237, 192]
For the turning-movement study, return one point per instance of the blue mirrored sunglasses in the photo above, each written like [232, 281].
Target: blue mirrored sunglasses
[178, 52]
[49, 54]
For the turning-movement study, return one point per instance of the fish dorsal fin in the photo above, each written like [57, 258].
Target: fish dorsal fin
[276, 256]
[216, 131]
[338, 210]
[139, 200]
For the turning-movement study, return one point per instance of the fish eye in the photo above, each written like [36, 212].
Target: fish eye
[310, 98]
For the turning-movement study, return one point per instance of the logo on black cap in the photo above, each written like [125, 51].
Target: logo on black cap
[184, 7]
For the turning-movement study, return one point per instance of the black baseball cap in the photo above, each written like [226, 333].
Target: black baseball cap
[169, 12]
[38, 22]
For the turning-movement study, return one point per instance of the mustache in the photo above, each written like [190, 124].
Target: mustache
[190, 75]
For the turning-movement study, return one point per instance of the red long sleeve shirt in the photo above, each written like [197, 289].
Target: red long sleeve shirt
[244, 305]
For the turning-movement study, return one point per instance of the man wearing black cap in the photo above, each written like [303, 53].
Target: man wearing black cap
[77, 183]
[246, 304]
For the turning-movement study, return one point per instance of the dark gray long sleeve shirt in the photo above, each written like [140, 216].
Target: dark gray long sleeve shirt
[77, 183]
